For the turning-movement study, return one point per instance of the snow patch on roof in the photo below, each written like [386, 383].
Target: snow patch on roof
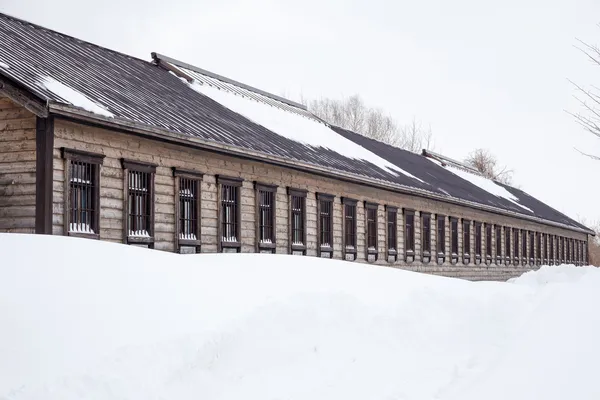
[484, 183]
[4, 65]
[295, 127]
[74, 97]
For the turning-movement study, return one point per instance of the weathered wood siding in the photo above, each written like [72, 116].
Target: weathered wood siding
[17, 168]
[115, 145]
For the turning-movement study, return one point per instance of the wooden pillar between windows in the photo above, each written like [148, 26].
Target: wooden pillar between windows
[44, 146]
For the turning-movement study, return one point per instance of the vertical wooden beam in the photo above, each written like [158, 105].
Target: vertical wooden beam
[44, 146]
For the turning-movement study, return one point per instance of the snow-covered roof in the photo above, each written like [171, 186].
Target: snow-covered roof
[69, 74]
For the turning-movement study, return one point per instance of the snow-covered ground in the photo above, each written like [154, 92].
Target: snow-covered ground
[81, 319]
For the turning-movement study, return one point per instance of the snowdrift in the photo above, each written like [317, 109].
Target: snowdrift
[81, 319]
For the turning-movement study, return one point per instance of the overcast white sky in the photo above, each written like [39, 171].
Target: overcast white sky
[489, 74]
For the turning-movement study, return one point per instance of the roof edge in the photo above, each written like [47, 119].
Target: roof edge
[158, 57]
[163, 134]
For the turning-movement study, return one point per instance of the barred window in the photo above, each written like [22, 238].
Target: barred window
[551, 255]
[426, 229]
[524, 244]
[297, 220]
[229, 213]
[187, 191]
[392, 231]
[349, 228]
[531, 245]
[507, 242]
[82, 202]
[517, 234]
[265, 195]
[539, 247]
[498, 242]
[488, 240]
[371, 214]
[325, 225]
[409, 230]
[478, 238]
[454, 235]
[441, 235]
[140, 201]
[562, 250]
[466, 237]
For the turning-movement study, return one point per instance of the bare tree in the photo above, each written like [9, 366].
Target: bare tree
[487, 164]
[353, 114]
[588, 98]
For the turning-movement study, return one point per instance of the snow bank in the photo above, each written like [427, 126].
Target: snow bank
[295, 127]
[74, 97]
[86, 319]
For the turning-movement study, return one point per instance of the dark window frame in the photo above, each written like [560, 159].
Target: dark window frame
[466, 234]
[194, 178]
[133, 166]
[300, 195]
[321, 248]
[454, 240]
[95, 161]
[507, 245]
[372, 208]
[349, 212]
[551, 250]
[524, 239]
[425, 237]
[440, 245]
[235, 184]
[489, 231]
[518, 245]
[269, 226]
[478, 241]
[498, 243]
[538, 249]
[531, 239]
[392, 252]
[409, 234]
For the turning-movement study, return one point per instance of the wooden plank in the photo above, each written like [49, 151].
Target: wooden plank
[17, 135]
[24, 200]
[16, 112]
[17, 190]
[18, 210]
[18, 156]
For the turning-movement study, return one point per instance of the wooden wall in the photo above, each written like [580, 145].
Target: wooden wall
[17, 168]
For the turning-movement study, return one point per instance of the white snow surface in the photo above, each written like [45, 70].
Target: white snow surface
[295, 127]
[4, 65]
[88, 319]
[486, 184]
[74, 97]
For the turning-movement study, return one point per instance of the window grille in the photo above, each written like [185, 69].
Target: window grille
[372, 229]
[229, 213]
[454, 236]
[551, 255]
[325, 211]
[477, 240]
[298, 207]
[82, 197]
[409, 231]
[524, 246]
[466, 238]
[426, 221]
[518, 249]
[498, 243]
[266, 216]
[507, 244]
[139, 204]
[392, 231]
[539, 248]
[488, 240]
[531, 246]
[188, 209]
[349, 227]
[441, 239]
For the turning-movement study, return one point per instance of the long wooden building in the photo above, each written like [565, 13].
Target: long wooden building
[101, 145]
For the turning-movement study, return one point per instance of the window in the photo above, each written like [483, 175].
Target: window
[477, 241]
[82, 201]
[325, 234]
[543, 244]
[409, 235]
[498, 244]
[392, 233]
[297, 200]
[441, 239]
[524, 246]
[349, 222]
[539, 249]
[454, 238]
[584, 256]
[531, 246]
[507, 244]
[371, 215]
[265, 210]
[187, 193]
[488, 242]
[516, 234]
[551, 256]
[229, 214]
[139, 218]
[426, 236]
[466, 241]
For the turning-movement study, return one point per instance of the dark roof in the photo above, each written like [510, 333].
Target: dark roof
[140, 92]
[443, 181]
